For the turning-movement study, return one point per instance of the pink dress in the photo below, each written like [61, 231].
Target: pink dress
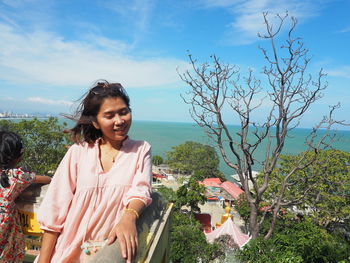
[83, 203]
[11, 236]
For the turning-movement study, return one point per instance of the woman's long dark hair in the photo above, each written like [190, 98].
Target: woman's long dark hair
[11, 148]
[89, 107]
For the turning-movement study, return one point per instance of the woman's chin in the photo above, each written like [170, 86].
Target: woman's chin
[119, 137]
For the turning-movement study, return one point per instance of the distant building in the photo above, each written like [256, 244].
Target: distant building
[205, 220]
[211, 182]
[157, 179]
[236, 179]
[229, 228]
[216, 191]
[232, 189]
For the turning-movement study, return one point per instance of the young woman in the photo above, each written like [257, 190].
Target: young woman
[13, 181]
[102, 184]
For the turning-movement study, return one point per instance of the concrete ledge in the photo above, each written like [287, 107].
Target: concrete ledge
[153, 228]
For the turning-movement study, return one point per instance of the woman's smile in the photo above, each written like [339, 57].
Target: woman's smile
[113, 119]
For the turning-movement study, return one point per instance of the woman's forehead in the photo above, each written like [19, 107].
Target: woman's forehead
[112, 104]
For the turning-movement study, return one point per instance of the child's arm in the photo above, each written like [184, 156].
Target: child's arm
[47, 246]
[42, 179]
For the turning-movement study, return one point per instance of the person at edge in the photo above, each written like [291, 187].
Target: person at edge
[13, 181]
[102, 184]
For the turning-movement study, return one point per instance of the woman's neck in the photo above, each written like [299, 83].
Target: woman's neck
[117, 145]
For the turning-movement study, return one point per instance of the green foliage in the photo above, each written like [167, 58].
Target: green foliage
[226, 245]
[297, 241]
[157, 160]
[324, 185]
[44, 141]
[190, 194]
[243, 209]
[193, 157]
[167, 193]
[188, 243]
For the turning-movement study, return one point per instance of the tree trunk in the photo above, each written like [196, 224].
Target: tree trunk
[253, 221]
[273, 224]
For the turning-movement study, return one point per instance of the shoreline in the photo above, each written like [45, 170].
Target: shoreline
[24, 118]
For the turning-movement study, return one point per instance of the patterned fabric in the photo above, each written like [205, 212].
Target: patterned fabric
[11, 236]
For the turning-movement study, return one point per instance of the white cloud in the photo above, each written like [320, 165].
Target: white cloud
[344, 30]
[247, 15]
[136, 12]
[219, 3]
[12, 3]
[10, 99]
[343, 72]
[47, 58]
[50, 101]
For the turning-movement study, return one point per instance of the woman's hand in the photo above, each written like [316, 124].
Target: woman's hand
[126, 234]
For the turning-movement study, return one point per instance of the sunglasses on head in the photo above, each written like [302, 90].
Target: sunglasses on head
[103, 87]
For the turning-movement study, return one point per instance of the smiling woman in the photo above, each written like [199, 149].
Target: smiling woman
[113, 119]
[102, 184]
[100, 106]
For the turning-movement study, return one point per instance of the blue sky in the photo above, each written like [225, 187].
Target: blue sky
[51, 51]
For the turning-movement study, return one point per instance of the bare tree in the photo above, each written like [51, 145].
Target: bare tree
[290, 91]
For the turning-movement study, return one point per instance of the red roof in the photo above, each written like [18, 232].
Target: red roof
[215, 198]
[232, 189]
[213, 182]
[158, 175]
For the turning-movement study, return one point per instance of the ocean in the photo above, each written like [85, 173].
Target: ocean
[165, 135]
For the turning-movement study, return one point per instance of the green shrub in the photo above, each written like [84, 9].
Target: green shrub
[157, 160]
[187, 242]
[297, 241]
[44, 140]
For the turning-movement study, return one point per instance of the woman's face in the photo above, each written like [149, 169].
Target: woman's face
[113, 119]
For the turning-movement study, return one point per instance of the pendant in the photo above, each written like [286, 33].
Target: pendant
[94, 246]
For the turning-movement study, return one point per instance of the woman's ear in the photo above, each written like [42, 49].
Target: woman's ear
[96, 125]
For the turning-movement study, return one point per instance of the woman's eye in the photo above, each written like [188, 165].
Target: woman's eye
[124, 112]
[109, 116]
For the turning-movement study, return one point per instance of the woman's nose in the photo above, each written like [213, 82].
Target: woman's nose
[118, 120]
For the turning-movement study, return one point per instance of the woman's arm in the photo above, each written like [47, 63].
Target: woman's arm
[42, 179]
[125, 231]
[55, 205]
[47, 246]
[135, 200]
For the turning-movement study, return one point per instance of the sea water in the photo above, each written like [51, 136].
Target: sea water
[163, 136]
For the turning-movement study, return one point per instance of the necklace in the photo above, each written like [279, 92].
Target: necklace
[110, 152]
[115, 156]
[112, 156]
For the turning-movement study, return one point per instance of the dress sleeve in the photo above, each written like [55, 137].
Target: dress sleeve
[23, 177]
[55, 205]
[141, 185]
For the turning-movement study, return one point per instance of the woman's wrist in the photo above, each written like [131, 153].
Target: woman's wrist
[131, 213]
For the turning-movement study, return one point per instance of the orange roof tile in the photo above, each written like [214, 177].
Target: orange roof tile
[214, 182]
[232, 189]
